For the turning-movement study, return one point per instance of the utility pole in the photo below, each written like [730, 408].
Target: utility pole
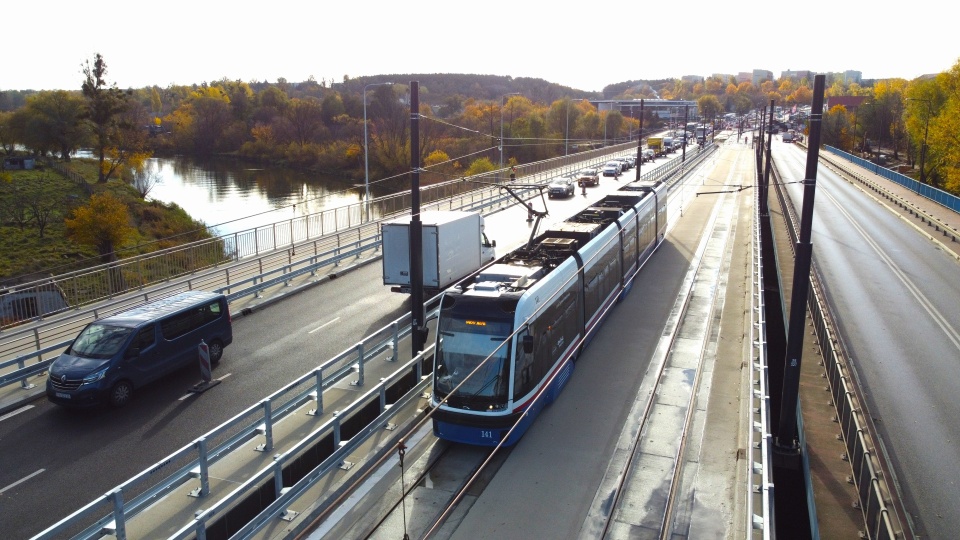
[640, 142]
[418, 328]
[787, 442]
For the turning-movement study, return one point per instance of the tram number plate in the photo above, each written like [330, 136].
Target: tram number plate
[486, 434]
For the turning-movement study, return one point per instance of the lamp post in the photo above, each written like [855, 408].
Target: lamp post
[566, 135]
[366, 161]
[502, 104]
[923, 149]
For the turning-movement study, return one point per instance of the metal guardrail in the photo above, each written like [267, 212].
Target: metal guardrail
[125, 501]
[938, 225]
[25, 302]
[22, 345]
[196, 458]
[876, 493]
[760, 487]
[938, 196]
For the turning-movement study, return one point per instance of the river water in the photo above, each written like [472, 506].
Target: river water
[231, 196]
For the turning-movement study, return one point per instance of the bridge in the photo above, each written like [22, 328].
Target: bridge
[385, 343]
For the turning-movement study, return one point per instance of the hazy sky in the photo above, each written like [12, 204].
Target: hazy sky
[585, 45]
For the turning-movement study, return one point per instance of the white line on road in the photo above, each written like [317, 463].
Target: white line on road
[16, 412]
[324, 325]
[22, 480]
[188, 394]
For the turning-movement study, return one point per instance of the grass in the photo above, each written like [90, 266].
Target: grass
[27, 256]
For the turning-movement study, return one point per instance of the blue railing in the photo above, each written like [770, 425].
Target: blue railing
[925, 190]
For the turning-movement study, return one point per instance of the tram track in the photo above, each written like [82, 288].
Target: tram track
[650, 486]
[425, 498]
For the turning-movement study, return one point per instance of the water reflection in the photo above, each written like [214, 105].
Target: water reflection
[231, 196]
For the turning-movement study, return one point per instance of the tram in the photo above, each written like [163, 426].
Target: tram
[508, 335]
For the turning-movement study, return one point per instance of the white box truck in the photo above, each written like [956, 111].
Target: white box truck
[454, 245]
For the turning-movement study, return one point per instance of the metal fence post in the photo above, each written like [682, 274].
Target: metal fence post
[204, 488]
[118, 518]
[360, 367]
[267, 428]
[319, 394]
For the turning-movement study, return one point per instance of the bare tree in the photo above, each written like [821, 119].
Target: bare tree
[145, 180]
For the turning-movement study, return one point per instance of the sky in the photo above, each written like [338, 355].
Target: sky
[585, 46]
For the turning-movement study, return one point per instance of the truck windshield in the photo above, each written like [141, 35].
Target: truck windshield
[473, 352]
[100, 341]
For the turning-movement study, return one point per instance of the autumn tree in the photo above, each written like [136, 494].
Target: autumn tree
[103, 223]
[50, 122]
[709, 107]
[105, 103]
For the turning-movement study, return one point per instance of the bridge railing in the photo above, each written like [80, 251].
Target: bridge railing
[77, 288]
[878, 498]
[760, 486]
[194, 460]
[110, 513]
[28, 350]
[938, 196]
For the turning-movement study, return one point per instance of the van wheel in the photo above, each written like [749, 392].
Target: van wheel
[121, 393]
[216, 351]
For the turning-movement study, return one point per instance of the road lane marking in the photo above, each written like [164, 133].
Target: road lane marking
[16, 412]
[324, 325]
[189, 394]
[22, 480]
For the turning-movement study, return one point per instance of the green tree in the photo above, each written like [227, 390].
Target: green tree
[105, 103]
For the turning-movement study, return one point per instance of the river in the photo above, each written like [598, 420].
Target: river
[230, 196]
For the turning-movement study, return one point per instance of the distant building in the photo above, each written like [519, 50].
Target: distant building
[850, 76]
[744, 76]
[798, 75]
[725, 77]
[692, 79]
[761, 75]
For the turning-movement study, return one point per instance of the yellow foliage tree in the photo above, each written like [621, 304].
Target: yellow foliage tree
[103, 223]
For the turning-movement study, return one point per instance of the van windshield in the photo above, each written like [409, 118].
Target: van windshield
[100, 341]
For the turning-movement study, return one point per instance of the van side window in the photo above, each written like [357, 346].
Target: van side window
[212, 312]
[179, 324]
[145, 338]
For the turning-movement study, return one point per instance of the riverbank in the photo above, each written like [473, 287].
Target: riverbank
[34, 204]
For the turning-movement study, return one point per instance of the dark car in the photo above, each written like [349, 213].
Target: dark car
[561, 187]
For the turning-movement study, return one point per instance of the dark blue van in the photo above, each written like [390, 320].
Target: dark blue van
[113, 356]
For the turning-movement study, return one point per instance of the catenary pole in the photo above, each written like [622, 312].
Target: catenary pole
[787, 441]
[418, 336]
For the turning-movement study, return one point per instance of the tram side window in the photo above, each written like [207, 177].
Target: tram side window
[523, 377]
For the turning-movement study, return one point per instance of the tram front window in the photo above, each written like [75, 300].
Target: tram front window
[472, 358]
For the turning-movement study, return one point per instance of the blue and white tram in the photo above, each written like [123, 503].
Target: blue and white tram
[508, 335]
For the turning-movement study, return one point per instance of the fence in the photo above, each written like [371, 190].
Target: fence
[936, 195]
[21, 303]
[111, 512]
[865, 457]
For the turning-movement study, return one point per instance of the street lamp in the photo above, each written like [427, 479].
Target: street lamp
[502, 104]
[366, 161]
[923, 149]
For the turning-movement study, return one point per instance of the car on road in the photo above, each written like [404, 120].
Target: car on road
[612, 168]
[588, 177]
[649, 154]
[561, 187]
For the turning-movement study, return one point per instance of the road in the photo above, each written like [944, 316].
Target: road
[897, 300]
